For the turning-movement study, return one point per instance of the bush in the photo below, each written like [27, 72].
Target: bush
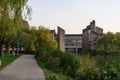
[88, 68]
[111, 70]
[69, 64]
[58, 61]
[54, 76]
[83, 67]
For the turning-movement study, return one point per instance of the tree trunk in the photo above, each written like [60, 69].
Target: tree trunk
[20, 49]
[13, 50]
[8, 48]
[1, 49]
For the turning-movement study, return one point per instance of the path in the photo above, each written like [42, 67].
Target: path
[24, 68]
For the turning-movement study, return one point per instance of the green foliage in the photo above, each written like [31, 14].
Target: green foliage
[7, 59]
[42, 38]
[41, 63]
[58, 61]
[109, 42]
[81, 67]
[88, 68]
[11, 11]
[111, 70]
[31, 39]
[25, 40]
[11, 19]
[69, 64]
[54, 76]
[50, 75]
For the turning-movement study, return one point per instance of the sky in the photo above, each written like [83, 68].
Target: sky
[75, 15]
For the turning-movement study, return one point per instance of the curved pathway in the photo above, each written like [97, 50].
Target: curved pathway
[24, 68]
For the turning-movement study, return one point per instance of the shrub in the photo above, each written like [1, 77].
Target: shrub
[69, 64]
[58, 61]
[88, 68]
[111, 70]
[83, 67]
[54, 76]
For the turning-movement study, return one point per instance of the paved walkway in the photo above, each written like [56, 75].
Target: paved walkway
[24, 68]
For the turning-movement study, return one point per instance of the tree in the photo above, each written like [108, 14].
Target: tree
[109, 42]
[26, 41]
[117, 41]
[42, 38]
[11, 12]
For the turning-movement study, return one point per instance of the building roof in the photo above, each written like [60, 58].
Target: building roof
[86, 29]
[53, 31]
[73, 34]
[99, 28]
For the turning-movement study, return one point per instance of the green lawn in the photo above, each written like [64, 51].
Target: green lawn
[7, 59]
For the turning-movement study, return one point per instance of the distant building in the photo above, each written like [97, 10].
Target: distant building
[90, 35]
[61, 39]
[52, 34]
[73, 42]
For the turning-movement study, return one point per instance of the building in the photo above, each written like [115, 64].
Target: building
[90, 35]
[52, 34]
[73, 42]
[61, 39]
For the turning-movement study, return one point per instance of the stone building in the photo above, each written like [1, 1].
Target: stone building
[61, 39]
[90, 35]
[52, 34]
[73, 42]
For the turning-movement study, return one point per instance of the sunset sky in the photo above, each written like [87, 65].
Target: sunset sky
[74, 15]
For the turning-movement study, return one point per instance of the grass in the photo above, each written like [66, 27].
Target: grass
[50, 75]
[91, 66]
[7, 59]
[54, 76]
[41, 63]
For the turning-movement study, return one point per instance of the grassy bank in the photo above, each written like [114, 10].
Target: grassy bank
[7, 59]
[50, 75]
[82, 67]
[54, 76]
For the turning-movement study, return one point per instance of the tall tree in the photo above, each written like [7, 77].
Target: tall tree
[11, 12]
[42, 38]
[109, 42]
